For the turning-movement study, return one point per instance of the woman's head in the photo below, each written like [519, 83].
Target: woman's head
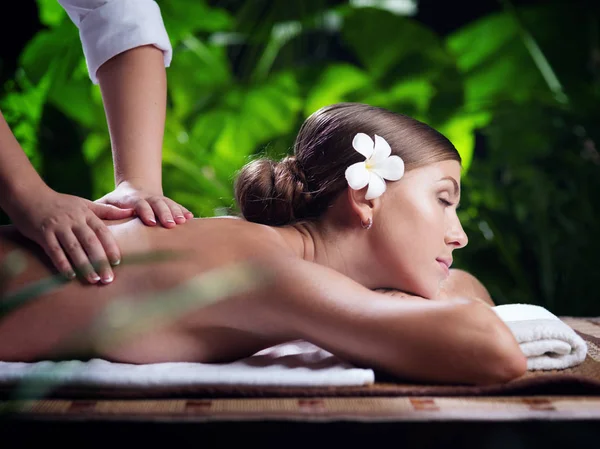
[301, 187]
[305, 186]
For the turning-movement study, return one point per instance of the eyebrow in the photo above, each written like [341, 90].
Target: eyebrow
[456, 187]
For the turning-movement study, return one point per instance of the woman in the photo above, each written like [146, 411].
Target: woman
[329, 226]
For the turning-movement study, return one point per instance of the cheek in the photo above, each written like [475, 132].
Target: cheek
[417, 226]
[427, 225]
[410, 240]
[418, 237]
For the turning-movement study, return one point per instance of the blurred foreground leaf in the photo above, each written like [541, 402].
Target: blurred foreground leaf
[128, 317]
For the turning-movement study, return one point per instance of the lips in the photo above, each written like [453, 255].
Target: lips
[445, 264]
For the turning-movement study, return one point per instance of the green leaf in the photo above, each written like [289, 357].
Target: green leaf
[264, 112]
[197, 76]
[527, 131]
[47, 48]
[460, 130]
[475, 44]
[337, 82]
[183, 18]
[496, 63]
[382, 40]
[95, 145]
[23, 111]
[223, 137]
[51, 13]
[411, 70]
[281, 34]
[57, 55]
[71, 91]
[403, 7]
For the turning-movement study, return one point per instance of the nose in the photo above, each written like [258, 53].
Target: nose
[456, 236]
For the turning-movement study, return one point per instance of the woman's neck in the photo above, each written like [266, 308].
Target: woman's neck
[334, 249]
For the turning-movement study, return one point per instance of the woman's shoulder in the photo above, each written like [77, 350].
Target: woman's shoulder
[221, 236]
[235, 234]
[243, 232]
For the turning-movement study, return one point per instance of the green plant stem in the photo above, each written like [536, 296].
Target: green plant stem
[537, 55]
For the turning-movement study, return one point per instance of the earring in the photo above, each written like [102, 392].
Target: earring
[368, 225]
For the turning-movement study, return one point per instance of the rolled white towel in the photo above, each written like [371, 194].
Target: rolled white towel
[547, 341]
[291, 364]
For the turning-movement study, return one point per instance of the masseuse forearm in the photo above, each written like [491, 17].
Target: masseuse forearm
[17, 175]
[134, 91]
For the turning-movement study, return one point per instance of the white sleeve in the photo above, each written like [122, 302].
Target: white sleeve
[110, 27]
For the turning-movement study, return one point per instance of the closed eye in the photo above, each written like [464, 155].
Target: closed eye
[445, 202]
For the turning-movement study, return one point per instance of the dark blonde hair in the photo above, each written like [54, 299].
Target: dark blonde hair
[301, 187]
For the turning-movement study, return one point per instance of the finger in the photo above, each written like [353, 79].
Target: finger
[188, 215]
[78, 257]
[162, 211]
[109, 212]
[107, 239]
[93, 247]
[176, 211]
[57, 256]
[145, 212]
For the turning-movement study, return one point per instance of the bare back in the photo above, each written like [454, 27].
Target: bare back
[34, 330]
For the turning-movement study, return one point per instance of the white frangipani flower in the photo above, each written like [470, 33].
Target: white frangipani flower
[377, 167]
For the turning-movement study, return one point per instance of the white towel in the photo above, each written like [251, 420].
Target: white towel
[295, 364]
[547, 341]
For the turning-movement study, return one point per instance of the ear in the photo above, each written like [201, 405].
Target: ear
[363, 208]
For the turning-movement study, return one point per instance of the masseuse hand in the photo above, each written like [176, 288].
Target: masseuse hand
[65, 225]
[148, 204]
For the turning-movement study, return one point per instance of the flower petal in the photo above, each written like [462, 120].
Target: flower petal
[382, 149]
[392, 168]
[376, 187]
[357, 175]
[363, 144]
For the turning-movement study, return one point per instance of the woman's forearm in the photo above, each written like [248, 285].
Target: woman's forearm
[134, 91]
[457, 340]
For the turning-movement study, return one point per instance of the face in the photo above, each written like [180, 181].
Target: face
[418, 228]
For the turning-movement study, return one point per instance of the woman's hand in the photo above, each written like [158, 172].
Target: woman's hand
[148, 204]
[65, 225]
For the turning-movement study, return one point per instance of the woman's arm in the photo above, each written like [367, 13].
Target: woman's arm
[460, 284]
[127, 48]
[134, 92]
[458, 340]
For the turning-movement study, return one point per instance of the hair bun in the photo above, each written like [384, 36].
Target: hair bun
[272, 193]
[288, 166]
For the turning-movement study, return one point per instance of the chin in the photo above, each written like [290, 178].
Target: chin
[421, 291]
[427, 289]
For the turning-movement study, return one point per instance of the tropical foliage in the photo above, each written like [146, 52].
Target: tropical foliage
[517, 97]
